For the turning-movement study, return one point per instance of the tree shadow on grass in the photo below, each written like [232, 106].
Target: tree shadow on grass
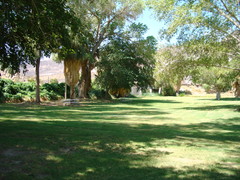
[223, 99]
[206, 108]
[96, 112]
[132, 101]
[97, 150]
[57, 143]
[146, 102]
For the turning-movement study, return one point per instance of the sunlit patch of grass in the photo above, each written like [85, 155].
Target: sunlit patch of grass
[54, 158]
[162, 154]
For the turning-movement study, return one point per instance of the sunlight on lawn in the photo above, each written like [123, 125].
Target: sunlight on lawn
[179, 157]
[54, 158]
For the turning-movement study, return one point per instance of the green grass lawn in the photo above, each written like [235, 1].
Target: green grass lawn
[139, 138]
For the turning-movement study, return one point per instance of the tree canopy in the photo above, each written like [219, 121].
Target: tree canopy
[208, 36]
[192, 19]
[28, 27]
[209, 29]
[100, 20]
[127, 60]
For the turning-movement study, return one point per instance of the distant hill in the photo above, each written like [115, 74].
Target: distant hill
[48, 70]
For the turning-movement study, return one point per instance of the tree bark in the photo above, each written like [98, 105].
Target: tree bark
[38, 80]
[159, 90]
[72, 92]
[85, 80]
[218, 95]
[65, 93]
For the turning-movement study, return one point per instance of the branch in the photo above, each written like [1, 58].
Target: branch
[37, 15]
[91, 12]
[231, 34]
[226, 16]
[227, 67]
[101, 36]
[224, 4]
[98, 30]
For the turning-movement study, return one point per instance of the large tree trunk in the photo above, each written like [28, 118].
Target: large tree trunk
[85, 80]
[236, 88]
[159, 90]
[72, 92]
[38, 81]
[65, 93]
[218, 95]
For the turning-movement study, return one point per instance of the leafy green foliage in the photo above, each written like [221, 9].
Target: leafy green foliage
[171, 66]
[207, 87]
[99, 94]
[168, 90]
[95, 22]
[215, 79]
[173, 63]
[190, 19]
[99, 21]
[20, 91]
[125, 63]
[28, 27]
[52, 91]
[207, 31]
[58, 88]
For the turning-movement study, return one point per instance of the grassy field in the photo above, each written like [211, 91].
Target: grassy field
[139, 138]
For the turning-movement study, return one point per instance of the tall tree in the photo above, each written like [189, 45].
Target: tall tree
[205, 27]
[172, 65]
[217, 80]
[208, 32]
[29, 30]
[102, 20]
[127, 61]
[190, 19]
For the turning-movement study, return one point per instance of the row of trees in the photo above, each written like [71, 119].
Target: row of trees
[88, 34]
[31, 29]
[76, 31]
[208, 48]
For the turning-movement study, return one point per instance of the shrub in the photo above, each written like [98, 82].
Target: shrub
[2, 98]
[10, 87]
[13, 98]
[168, 90]
[26, 87]
[207, 88]
[17, 98]
[30, 96]
[181, 94]
[58, 88]
[49, 95]
[99, 94]
[19, 91]
[120, 92]
[55, 81]
[150, 94]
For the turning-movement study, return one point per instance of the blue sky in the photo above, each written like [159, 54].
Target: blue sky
[148, 18]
